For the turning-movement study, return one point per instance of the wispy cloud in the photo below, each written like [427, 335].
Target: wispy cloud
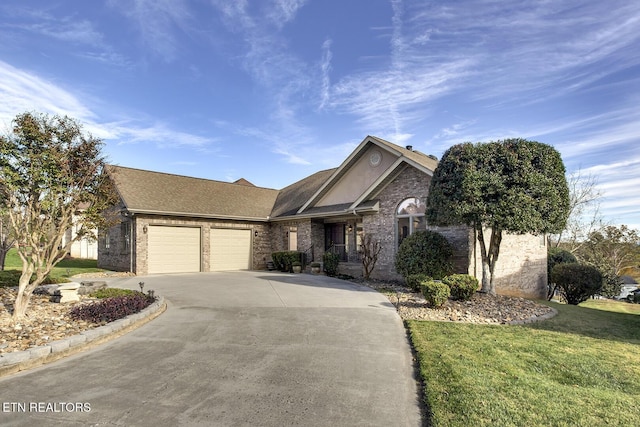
[22, 91]
[159, 23]
[325, 69]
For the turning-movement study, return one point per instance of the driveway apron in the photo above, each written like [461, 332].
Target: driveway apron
[234, 349]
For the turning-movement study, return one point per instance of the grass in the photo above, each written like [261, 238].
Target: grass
[581, 368]
[60, 273]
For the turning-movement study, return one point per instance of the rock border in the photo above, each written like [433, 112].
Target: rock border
[534, 319]
[17, 361]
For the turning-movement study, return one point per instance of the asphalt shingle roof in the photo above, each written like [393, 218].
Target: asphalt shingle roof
[156, 192]
[163, 193]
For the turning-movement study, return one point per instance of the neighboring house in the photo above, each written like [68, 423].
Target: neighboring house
[172, 224]
[629, 285]
[84, 247]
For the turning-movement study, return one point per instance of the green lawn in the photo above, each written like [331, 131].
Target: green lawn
[581, 368]
[65, 269]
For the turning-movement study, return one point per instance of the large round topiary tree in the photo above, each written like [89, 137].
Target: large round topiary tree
[425, 252]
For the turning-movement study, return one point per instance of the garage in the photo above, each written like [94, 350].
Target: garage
[174, 249]
[230, 249]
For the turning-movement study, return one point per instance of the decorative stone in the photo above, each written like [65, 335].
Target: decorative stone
[67, 292]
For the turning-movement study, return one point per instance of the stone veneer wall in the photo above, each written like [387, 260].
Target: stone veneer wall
[521, 269]
[116, 259]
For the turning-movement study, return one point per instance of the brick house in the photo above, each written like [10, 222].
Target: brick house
[171, 224]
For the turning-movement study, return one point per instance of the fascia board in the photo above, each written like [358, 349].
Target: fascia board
[198, 215]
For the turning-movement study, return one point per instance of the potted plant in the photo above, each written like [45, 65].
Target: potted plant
[315, 267]
[296, 266]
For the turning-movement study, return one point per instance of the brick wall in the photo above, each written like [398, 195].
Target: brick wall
[114, 258]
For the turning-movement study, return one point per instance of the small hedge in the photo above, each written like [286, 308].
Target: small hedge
[414, 281]
[10, 278]
[436, 293]
[462, 286]
[576, 282]
[112, 292]
[110, 309]
[331, 262]
[284, 260]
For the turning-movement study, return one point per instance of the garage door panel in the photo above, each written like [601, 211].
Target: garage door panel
[230, 249]
[174, 249]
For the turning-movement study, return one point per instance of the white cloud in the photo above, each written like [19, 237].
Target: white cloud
[22, 91]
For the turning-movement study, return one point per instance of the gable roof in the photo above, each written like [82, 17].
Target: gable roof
[162, 193]
[420, 161]
[151, 192]
[292, 197]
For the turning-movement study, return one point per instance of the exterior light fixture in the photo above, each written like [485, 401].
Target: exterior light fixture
[255, 233]
[145, 229]
[350, 228]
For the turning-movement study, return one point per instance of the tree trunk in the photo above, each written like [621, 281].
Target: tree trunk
[24, 294]
[489, 258]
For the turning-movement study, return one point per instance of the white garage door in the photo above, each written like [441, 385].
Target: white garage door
[230, 249]
[174, 249]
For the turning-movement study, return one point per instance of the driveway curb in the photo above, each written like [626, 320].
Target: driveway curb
[11, 363]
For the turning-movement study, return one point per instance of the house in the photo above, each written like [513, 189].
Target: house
[85, 247]
[171, 224]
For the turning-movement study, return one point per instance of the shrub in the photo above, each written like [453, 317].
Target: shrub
[425, 252]
[110, 309]
[284, 260]
[556, 256]
[576, 282]
[436, 293]
[111, 292]
[11, 277]
[462, 286]
[414, 281]
[331, 262]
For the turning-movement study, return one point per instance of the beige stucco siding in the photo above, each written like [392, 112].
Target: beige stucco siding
[358, 178]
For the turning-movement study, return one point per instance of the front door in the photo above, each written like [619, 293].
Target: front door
[335, 240]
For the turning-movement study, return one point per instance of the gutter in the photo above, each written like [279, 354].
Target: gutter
[199, 215]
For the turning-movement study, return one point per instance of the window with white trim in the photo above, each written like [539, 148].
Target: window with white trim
[410, 217]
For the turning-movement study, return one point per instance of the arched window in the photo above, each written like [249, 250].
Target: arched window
[410, 217]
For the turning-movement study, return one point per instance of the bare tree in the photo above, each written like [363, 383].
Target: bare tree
[584, 212]
[370, 251]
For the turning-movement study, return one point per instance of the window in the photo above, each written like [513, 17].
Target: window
[293, 238]
[410, 217]
[126, 237]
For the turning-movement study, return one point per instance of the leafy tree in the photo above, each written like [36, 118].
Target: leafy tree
[50, 176]
[611, 249]
[515, 186]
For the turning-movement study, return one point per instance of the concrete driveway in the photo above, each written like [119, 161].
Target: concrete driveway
[234, 349]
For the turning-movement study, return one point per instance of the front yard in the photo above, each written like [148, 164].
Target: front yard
[581, 368]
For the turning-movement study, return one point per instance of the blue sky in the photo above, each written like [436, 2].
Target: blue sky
[274, 90]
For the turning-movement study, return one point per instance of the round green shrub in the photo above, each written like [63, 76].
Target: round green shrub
[425, 252]
[435, 292]
[462, 286]
[414, 281]
[556, 256]
[576, 282]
